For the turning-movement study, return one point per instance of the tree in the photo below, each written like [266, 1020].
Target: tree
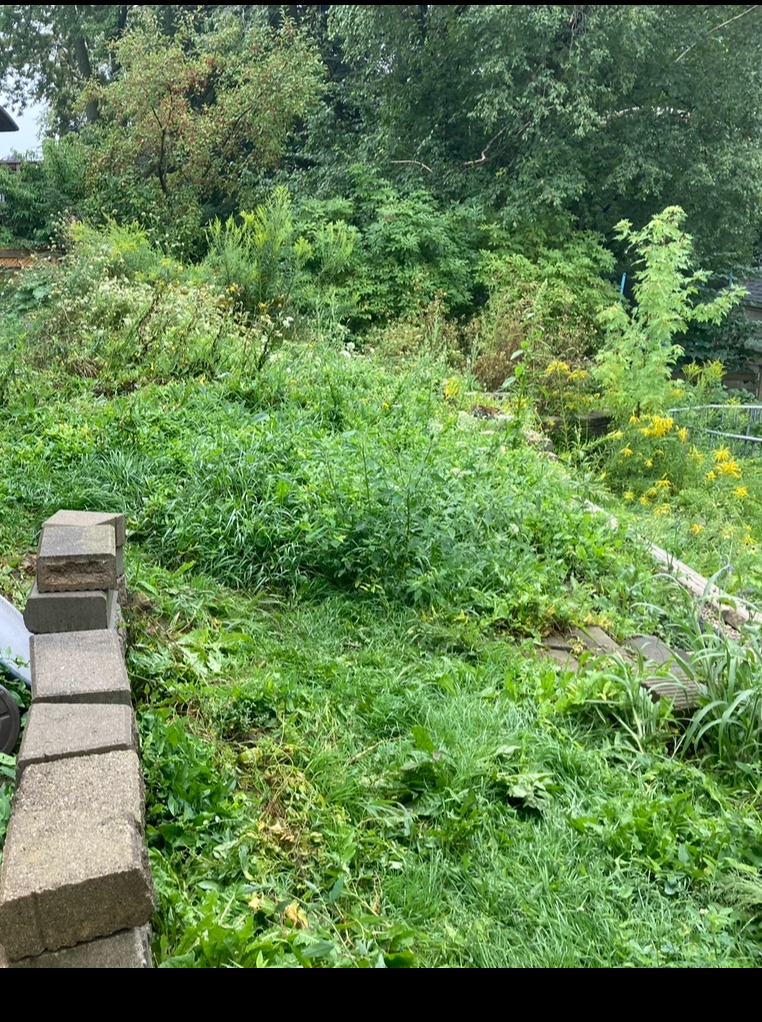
[636, 363]
[562, 112]
[49, 51]
[193, 118]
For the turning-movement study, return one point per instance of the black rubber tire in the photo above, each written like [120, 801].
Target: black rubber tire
[10, 722]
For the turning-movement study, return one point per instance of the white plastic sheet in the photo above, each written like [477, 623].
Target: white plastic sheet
[14, 643]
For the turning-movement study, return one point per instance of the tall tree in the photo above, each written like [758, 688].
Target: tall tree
[593, 112]
[193, 118]
[49, 51]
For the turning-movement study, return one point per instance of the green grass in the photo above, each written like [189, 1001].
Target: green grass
[422, 806]
[355, 755]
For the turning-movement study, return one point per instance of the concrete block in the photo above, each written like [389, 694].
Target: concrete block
[122, 591]
[70, 730]
[119, 561]
[130, 950]
[54, 613]
[87, 519]
[79, 667]
[73, 560]
[75, 866]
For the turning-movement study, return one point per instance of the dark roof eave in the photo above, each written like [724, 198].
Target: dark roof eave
[7, 123]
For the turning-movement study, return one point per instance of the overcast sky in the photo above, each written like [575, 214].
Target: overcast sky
[27, 137]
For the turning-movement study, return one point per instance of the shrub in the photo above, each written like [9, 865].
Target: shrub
[114, 309]
[270, 271]
[544, 308]
[636, 364]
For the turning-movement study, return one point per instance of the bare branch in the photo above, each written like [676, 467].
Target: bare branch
[659, 111]
[718, 28]
[486, 151]
[412, 163]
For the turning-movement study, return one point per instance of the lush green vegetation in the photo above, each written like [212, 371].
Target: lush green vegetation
[296, 253]
[355, 754]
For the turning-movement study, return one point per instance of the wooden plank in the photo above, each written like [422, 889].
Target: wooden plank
[684, 691]
[563, 659]
[597, 641]
[732, 610]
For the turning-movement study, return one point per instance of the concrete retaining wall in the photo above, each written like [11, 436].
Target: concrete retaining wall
[75, 886]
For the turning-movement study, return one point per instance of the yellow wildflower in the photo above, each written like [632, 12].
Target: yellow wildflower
[683, 435]
[722, 456]
[730, 468]
[696, 530]
[664, 511]
[664, 484]
[661, 427]
[627, 452]
[645, 501]
[619, 435]
[711, 476]
[634, 420]
[652, 493]
[741, 492]
[577, 375]
[650, 463]
[749, 540]
[558, 367]
[629, 496]
[696, 456]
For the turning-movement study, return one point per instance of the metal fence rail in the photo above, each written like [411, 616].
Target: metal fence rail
[740, 426]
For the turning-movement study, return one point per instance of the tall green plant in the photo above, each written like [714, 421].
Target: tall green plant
[258, 258]
[270, 269]
[636, 363]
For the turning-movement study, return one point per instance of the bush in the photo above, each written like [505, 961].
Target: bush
[116, 310]
[636, 365]
[270, 271]
[409, 251]
[40, 193]
[544, 309]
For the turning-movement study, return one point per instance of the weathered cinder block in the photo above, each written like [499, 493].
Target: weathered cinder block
[74, 560]
[87, 519]
[131, 950]
[119, 562]
[75, 866]
[80, 667]
[122, 591]
[69, 730]
[54, 613]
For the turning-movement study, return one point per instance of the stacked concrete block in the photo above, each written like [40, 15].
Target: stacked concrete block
[75, 884]
[92, 564]
[79, 667]
[128, 950]
[81, 584]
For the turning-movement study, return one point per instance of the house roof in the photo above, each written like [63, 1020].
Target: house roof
[7, 123]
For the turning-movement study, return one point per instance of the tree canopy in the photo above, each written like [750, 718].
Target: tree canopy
[557, 117]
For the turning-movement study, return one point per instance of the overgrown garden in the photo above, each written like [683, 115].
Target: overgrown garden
[326, 300]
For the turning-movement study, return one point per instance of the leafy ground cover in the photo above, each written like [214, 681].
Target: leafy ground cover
[355, 755]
